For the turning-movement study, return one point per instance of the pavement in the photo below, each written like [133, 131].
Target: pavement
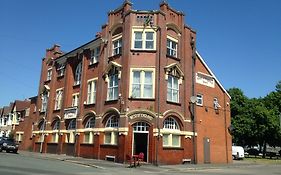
[103, 164]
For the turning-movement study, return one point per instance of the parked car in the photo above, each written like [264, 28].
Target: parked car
[253, 152]
[8, 145]
[237, 152]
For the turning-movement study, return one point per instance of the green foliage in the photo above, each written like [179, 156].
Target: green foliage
[256, 121]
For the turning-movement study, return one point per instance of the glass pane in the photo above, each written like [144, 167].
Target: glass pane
[136, 90]
[138, 44]
[175, 83]
[149, 35]
[107, 138]
[138, 35]
[115, 137]
[147, 92]
[165, 139]
[175, 96]
[148, 78]
[136, 77]
[169, 94]
[175, 140]
[115, 93]
[87, 137]
[149, 44]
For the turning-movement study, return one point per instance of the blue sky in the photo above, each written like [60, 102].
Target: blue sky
[239, 39]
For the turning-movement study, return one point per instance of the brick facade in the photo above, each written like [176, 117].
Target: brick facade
[143, 113]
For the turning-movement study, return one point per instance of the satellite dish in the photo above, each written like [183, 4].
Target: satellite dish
[193, 99]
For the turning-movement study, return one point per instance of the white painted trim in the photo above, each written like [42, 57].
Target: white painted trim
[209, 70]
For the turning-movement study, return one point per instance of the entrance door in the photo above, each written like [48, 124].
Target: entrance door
[206, 150]
[140, 140]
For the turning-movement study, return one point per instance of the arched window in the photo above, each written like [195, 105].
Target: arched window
[41, 126]
[90, 123]
[111, 132]
[78, 72]
[171, 133]
[112, 122]
[72, 125]
[56, 125]
[171, 123]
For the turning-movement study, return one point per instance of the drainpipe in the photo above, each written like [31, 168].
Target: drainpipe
[193, 46]
[225, 128]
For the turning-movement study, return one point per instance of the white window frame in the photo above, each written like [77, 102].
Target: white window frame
[95, 54]
[199, 100]
[111, 130]
[118, 49]
[144, 38]
[90, 122]
[75, 100]
[216, 103]
[91, 91]
[142, 82]
[90, 139]
[44, 102]
[60, 70]
[114, 88]
[170, 50]
[78, 74]
[171, 129]
[173, 89]
[58, 99]
[49, 74]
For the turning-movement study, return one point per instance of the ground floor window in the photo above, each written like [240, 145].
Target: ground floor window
[19, 137]
[55, 138]
[70, 137]
[88, 137]
[110, 138]
[171, 140]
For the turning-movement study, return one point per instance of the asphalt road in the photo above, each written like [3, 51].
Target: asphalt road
[20, 164]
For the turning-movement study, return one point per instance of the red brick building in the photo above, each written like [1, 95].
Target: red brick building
[132, 89]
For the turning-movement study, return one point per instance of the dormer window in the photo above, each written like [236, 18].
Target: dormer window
[172, 47]
[60, 70]
[144, 39]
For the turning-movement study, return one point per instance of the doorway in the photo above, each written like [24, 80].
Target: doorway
[141, 139]
[207, 150]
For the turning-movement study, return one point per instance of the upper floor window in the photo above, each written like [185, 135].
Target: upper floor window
[144, 39]
[41, 126]
[112, 122]
[78, 73]
[95, 53]
[49, 74]
[172, 47]
[60, 70]
[58, 99]
[75, 100]
[173, 89]
[199, 100]
[117, 46]
[142, 85]
[216, 103]
[92, 89]
[44, 102]
[112, 91]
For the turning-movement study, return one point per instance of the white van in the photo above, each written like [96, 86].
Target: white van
[237, 152]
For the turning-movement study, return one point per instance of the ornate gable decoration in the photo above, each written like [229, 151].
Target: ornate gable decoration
[112, 68]
[174, 70]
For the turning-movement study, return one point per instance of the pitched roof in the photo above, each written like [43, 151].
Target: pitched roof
[212, 74]
[21, 105]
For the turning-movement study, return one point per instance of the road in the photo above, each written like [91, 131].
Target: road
[20, 164]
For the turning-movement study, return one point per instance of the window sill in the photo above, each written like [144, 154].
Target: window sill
[111, 101]
[172, 57]
[87, 144]
[174, 103]
[143, 50]
[200, 105]
[76, 85]
[172, 148]
[52, 143]
[141, 99]
[91, 65]
[60, 76]
[47, 81]
[89, 104]
[56, 110]
[113, 57]
[109, 145]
